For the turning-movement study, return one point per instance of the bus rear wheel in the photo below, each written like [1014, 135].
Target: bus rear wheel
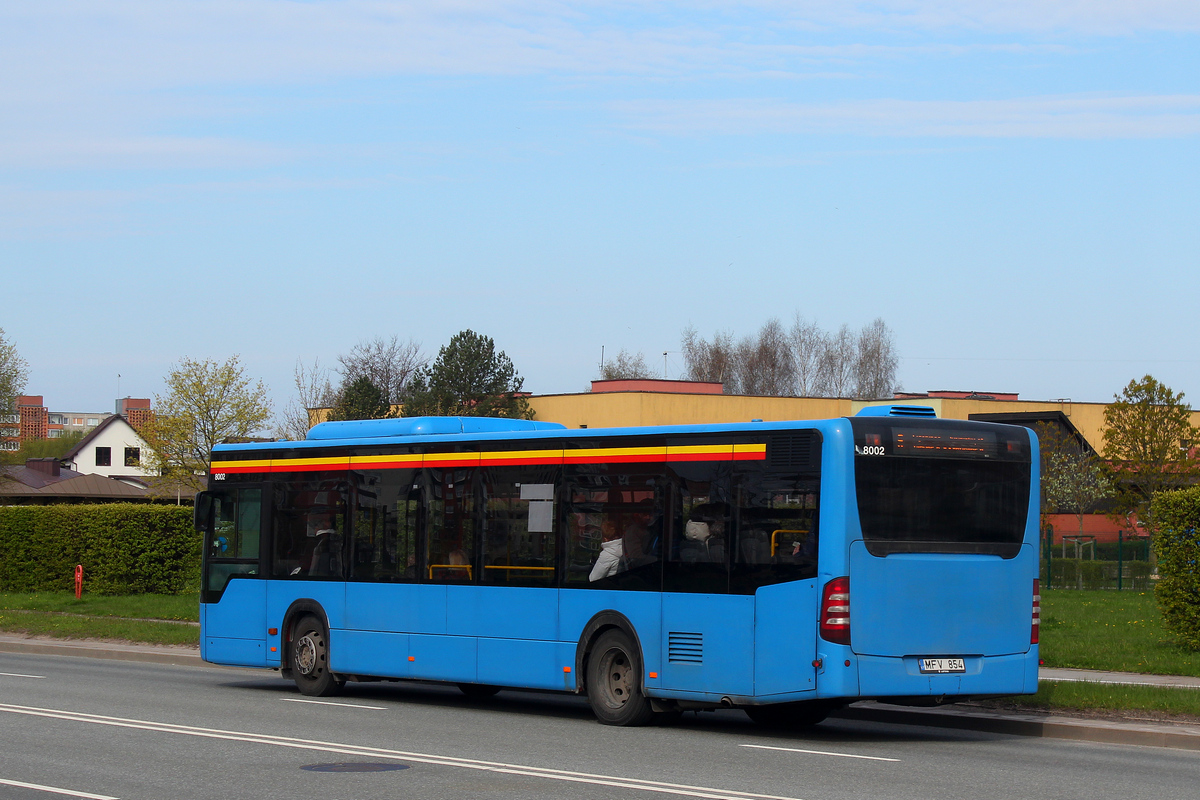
[791, 715]
[614, 682]
[309, 659]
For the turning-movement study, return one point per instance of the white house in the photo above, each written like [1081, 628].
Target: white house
[112, 449]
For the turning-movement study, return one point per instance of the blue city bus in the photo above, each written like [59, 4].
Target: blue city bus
[785, 568]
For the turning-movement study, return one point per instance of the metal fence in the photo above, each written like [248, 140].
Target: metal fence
[1080, 562]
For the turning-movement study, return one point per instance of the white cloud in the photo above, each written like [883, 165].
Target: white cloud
[130, 83]
[137, 45]
[1073, 117]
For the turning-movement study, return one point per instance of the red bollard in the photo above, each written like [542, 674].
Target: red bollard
[78, 581]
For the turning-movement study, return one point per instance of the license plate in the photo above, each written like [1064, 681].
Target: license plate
[942, 665]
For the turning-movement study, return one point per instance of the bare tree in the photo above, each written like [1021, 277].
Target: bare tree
[808, 344]
[313, 390]
[625, 367]
[765, 364]
[711, 361]
[876, 362]
[838, 362]
[801, 361]
[388, 363]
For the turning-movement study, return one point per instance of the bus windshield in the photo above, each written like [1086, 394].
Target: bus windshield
[937, 487]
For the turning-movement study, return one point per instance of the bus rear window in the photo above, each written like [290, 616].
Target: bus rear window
[936, 487]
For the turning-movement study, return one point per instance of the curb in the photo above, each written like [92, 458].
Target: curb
[175, 656]
[1148, 734]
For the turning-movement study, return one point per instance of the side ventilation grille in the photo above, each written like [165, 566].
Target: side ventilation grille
[685, 648]
[794, 450]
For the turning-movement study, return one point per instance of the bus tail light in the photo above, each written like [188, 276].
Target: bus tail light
[1037, 611]
[835, 611]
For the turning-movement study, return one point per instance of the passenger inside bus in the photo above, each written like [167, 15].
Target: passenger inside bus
[612, 551]
[323, 559]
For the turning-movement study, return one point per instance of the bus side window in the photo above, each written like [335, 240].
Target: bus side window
[450, 528]
[384, 546]
[614, 530]
[310, 530]
[518, 539]
[775, 530]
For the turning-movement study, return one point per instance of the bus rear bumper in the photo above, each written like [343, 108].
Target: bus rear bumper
[883, 677]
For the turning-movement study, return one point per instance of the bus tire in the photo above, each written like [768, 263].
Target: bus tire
[309, 659]
[791, 715]
[614, 681]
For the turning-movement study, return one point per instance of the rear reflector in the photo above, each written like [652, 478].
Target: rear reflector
[1037, 611]
[835, 611]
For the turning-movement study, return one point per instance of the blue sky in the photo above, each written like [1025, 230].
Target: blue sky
[1012, 186]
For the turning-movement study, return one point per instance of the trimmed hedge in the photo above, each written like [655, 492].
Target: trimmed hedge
[1070, 573]
[124, 548]
[1177, 543]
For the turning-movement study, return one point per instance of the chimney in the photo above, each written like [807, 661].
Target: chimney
[46, 466]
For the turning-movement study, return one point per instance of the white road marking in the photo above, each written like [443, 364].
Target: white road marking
[55, 790]
[817, 752]
[327, 703]
[19, 675]
[617, 781]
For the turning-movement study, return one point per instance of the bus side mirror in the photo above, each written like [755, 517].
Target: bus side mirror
[202, 516]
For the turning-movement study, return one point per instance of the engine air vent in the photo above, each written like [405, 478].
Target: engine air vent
[898, 411]
[685, 648]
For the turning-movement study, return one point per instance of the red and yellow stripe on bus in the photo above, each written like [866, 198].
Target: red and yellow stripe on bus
[500, 458]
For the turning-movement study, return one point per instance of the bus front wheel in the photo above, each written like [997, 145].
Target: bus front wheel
[310, 659]
[614, 682]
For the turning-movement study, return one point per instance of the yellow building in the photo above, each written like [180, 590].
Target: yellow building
[619, 404]
[622, 403]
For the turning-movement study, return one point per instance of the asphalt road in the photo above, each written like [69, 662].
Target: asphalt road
[76, 727]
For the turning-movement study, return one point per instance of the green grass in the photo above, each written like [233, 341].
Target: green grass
[184, 607]
[1107, 630]
[64, 626]
[1077, 696]
[126, 618]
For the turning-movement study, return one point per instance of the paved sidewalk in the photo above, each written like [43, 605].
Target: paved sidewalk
[1129, 678]
[963, 717]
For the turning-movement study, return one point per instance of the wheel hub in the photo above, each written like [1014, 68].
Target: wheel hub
[617, 677]
[306, 655]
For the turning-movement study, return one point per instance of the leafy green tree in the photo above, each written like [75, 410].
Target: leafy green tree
[206, 403]
[468, 378]
[360, 399]
[49, 448]
[14, 371]
[1147, 438]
